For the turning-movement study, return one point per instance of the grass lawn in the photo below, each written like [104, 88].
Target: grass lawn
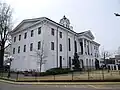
[93, 75]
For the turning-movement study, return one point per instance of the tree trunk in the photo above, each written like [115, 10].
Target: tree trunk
[40, 65]
[1, 57]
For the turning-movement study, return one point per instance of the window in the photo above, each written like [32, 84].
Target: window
[13, 50]
[75, 46]
[39, 45]
[69, 44]
[60, 61]
[31, 33]
[52, 45]
[60, 34]
[39, 30]
[69, 62]
[60, 47]
[31, 46]
[19, 37]
[25, 35]
[52, 31]
[18, 49]
[24, 50]
[14, 39]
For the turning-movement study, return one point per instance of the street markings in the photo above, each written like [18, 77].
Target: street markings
[109, 87]
[93, 86]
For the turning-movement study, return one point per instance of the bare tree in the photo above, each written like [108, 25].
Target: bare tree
[5, 27]
[40, 55]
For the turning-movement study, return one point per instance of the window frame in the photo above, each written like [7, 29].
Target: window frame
[14, 39]
[32, 33]
[39, 30]
[25, 35]
[31, 46]
[69, 44]
[39, 45]
[60, 47]
[18, 49]
[52, 45]
[13, 50]
[24, 49]
[19, 37]
[60, 34]
[52, 31]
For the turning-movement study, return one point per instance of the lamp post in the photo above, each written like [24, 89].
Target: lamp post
[10, 59]
[116, 14]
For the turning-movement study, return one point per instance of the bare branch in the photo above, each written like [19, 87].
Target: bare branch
[5, 20]
[7, 46]
[40, 55]
[5, 26]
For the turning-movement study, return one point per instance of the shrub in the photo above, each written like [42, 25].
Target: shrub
[55, 71]
[26, 73]
[52, 71]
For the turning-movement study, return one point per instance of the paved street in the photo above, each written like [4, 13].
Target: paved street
[6, 86]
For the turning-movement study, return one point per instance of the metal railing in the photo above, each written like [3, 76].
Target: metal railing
[79, 75]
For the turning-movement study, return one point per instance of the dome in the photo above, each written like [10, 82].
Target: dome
[65, 22]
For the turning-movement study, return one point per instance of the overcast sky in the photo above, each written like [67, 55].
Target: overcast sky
[95, 15]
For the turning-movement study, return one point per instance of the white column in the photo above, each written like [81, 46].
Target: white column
[83, 47]
[86, 50]
[116, 67]
[113, 67]
[89, 47]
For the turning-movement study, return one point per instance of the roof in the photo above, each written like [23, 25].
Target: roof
[96, 43]
[60, 25]
[81, 32]
[38, 19]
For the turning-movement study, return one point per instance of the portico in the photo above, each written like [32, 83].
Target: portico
[88, 50]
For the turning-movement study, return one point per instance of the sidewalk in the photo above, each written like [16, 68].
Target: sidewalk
[61, 83]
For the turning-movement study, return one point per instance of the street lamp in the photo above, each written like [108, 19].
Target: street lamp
[10, 59]
[116, 14]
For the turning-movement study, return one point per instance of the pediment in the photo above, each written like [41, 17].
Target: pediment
[26, 23]
[89, 34]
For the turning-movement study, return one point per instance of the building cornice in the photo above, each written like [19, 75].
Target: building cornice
[43, 20]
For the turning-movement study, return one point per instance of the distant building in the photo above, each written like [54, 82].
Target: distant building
[60, 44]
[111, 63]
[117, 59]
[7, 54]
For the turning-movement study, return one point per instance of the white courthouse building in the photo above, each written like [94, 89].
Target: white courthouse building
[58, 41]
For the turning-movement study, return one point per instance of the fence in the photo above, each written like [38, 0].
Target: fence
[82, 75]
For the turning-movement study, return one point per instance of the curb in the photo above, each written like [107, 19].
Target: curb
[60, 83]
